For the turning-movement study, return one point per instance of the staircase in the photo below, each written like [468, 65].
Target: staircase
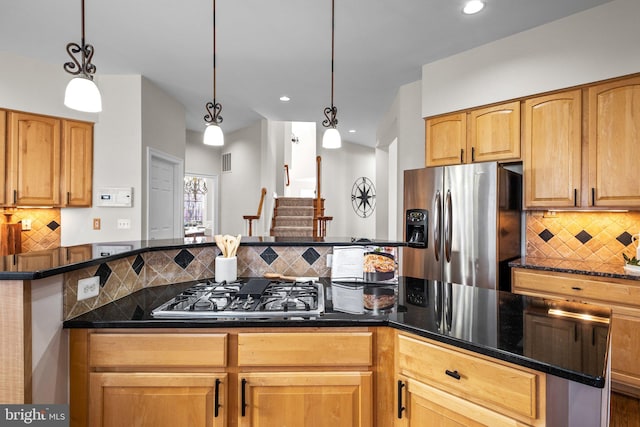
[293, 217]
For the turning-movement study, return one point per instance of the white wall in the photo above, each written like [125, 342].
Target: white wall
[164, 130]
[402, 123]
[240, 188]
[117, 160]
[597, 44]
[340, 169]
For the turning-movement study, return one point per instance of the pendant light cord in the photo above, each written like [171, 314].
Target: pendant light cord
[214, 51]
[82, 23]
[333, 25]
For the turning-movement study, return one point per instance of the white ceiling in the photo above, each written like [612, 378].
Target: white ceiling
[266, 49]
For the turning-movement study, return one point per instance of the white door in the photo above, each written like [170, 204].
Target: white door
[165, 196]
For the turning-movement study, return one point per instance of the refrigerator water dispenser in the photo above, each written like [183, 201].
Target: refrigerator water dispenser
[416, 227]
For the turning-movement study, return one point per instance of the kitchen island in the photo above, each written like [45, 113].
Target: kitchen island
[39, 290]
[489, 345]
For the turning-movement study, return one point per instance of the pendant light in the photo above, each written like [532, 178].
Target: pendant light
[82, 94]
[331, 137]
[213, 133]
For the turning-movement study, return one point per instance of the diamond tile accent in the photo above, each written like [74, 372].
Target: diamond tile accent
[269, 255]
[184, 258]
[53, 225]
[624, 238]
[310, 255]
[137, 265]
[104, 272]
[583, 236]
[545, 235]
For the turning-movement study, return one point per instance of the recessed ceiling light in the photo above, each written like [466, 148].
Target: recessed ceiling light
[352, 131]
[285, 98]
[473, 6]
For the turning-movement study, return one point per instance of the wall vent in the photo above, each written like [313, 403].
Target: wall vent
[226, 162]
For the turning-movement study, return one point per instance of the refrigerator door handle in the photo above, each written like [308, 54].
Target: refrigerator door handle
[448, 226]
[436, 224]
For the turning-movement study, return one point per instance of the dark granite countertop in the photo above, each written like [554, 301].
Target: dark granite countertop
[493, 323]
[576, 267]
[70, 258]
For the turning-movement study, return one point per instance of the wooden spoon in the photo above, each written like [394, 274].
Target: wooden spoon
[292, 278]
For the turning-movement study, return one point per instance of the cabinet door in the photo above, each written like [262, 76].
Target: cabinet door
[494, 133]
[33, 175]
[614, 143]
[552, 150]
[446, 140]
[321, 399]
[3, 153]
[77, 163]
[428, 406]
[625, 345]
[157, 400]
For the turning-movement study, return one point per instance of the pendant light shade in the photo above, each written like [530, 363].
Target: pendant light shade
[82, 94]
[213, 133]
[331, 138]
[213, 136]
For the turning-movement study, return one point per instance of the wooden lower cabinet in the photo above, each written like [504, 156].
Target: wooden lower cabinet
[441, 385]
[228, 377]
[320, 399]
[157, 399]
[423, 405]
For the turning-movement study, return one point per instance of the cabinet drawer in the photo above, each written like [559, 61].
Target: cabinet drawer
[305, 349]
[487, 383]
[577, 287]
[158, 350]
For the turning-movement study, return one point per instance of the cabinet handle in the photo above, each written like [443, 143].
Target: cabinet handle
[462, 155]
[593, 336]
[575, 288]
[15, 196]
[593, 196]
[453, 374]
[216, 400]
[473, 154]
[243, 398]
[400, 407]
[575, 332]
[575, 197]
[68, 197]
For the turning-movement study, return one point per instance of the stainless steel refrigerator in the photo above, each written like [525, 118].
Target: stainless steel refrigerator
[471, 216]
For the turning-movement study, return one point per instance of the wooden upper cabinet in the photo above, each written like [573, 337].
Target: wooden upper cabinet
[33, 160]
[494, 133]
[446, 140]
[3, 153]
[77, 163]
[614, 143]
[552, 150]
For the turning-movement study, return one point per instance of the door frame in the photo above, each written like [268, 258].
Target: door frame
[178, 189]
[214, 209]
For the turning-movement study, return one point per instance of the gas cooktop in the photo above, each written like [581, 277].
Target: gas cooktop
[256, 298]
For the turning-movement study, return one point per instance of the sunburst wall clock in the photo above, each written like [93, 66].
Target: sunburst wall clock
[363, 197]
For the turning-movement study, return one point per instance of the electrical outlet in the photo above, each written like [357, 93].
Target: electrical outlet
[96, 223]
[329, 260]
[26, 224]
[88, 288]
[124, 224]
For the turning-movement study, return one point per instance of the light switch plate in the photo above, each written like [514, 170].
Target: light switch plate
[88, 288]
[124, 224]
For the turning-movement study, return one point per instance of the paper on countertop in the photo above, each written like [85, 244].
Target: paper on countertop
[347, 263]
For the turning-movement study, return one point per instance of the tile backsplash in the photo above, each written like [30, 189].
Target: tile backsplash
[124, 276]
[582, 236]
[45, 227]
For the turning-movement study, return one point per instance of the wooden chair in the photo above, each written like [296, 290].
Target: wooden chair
[250, 218]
